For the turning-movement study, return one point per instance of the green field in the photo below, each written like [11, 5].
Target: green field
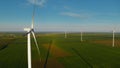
[95, 51]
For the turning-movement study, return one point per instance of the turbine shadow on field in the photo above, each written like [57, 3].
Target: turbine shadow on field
[82, 58]
[48, 52]
[5, 46]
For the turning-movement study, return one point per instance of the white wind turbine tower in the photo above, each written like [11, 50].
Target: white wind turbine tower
[113, 42]
[29, 32]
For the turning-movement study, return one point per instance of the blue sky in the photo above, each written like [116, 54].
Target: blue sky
[61, 15]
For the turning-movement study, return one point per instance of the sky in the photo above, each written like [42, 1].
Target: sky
[61, 15]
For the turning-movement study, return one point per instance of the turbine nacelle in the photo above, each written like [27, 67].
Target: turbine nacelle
[27, 29]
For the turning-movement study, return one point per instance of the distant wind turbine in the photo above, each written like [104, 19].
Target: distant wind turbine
[113, 42]
[81, 36]
[29, 32]
[65, 34]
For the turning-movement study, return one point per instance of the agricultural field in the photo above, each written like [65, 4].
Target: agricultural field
[95, 51]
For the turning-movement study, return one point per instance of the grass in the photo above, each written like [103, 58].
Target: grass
[14, 56]
[86, 54]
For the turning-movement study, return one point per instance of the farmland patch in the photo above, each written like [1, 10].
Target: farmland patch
[51, 63]
[4, 43]
[56, 51]
[107, 42]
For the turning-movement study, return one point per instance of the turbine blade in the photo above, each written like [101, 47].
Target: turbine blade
[32, 25]
[35, 40]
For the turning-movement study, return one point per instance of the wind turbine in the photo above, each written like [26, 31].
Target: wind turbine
[81, 36]
[113, 42]
[29, 32]
[65, 34]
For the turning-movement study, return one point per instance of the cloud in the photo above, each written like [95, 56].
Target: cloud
[38, 2]
[66, 7]
[110, 14]
[89, 15]
[70, 14]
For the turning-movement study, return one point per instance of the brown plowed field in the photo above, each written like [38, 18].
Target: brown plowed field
[56, 51]
[51, 63]
[108, 42]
